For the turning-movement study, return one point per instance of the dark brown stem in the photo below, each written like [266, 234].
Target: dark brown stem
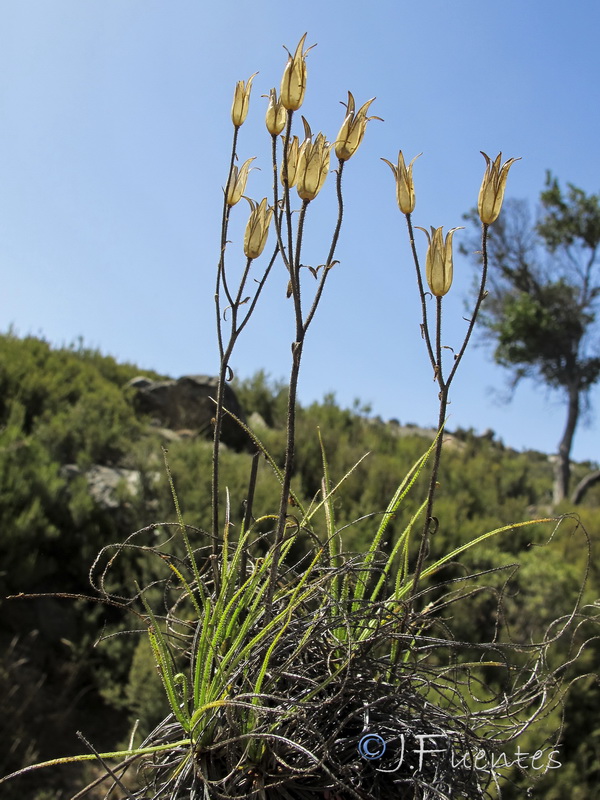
[224, 357]
[430, 524]
[225, 350]
[248, 513]
[288, 467]
[480, 298]
[224, 225]
[217, 425]
[287, 472]
[277, 211]
[331, 253]
[422, 293]
[297, 347]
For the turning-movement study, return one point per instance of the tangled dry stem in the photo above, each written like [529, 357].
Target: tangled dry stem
[322, 694]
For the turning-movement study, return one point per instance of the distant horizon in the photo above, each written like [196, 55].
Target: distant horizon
[79, 342]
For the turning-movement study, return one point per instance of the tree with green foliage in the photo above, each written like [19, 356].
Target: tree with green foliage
[541, 308]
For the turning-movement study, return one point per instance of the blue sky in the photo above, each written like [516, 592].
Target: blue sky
[114, 141]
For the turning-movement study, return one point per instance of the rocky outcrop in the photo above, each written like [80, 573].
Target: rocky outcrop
[105, 482]
[108, 485]
[188, 404]
[179, 410]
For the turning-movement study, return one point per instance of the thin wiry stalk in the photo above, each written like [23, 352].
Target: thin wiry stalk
[297, 346]
[278, 210]
[221, 279]
[248, 511]
[117, 781]
[430, 524]
[334, 241]
[225, 350]
[299, 732]
[288, 218]
[296, 266]
[422, 293]
[480, 298]
[224, 226]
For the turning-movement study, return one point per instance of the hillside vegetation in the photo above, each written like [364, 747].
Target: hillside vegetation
[62, 666]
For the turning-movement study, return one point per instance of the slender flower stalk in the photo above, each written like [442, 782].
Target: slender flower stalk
[234, 190]
[305, 165]
[279, 205]
[289, 168]
[439, 274]
[439, 254]
[330, 262]
[302, 322]
[221, 282]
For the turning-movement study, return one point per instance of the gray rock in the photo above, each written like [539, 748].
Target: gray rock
[186, 404]
[256, 422]
[175, 436]
[105, 483]
[140, 382]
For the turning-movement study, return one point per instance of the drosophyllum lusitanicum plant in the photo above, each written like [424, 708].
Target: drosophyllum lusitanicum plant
[322, 677]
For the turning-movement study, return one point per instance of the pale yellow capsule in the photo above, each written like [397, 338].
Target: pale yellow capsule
[293, 83]
[492, 189]
[405, 188]
[241, 101]
[438, 262]
[353, 129]
[313, 166]
[237, 182]
[257, 229]
[276, 114]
